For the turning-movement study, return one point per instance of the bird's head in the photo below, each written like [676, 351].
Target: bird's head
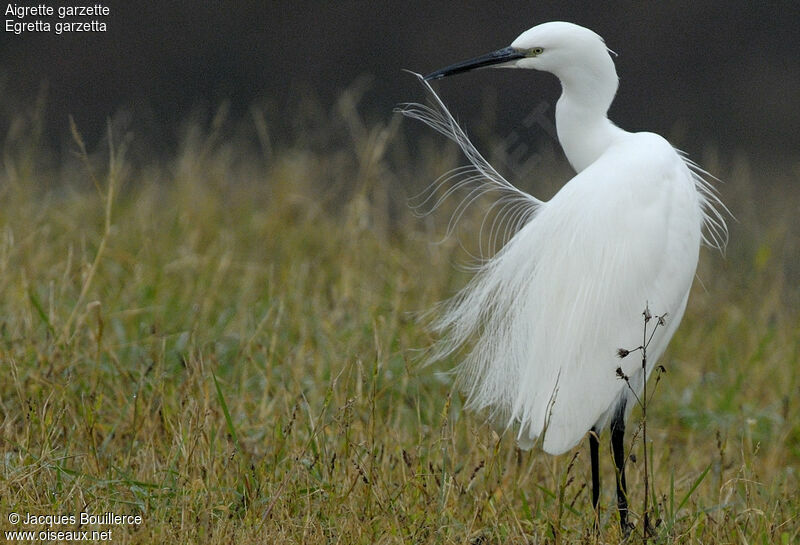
[557, 47]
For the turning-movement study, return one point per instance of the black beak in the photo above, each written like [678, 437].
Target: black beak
[495, 57]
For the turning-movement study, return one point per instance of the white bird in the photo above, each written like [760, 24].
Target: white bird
[543, 319]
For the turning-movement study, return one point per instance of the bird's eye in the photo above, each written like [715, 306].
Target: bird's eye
[536, 51]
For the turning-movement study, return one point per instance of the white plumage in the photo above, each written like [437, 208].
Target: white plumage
[544, 317]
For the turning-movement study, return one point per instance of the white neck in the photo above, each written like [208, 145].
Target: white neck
[584, 129]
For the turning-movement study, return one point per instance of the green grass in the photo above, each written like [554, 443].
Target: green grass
[227, 343]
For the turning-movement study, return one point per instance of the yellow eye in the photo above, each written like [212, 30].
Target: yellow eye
[536, 51]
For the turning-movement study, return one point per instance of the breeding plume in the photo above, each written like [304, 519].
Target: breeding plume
[542, 320]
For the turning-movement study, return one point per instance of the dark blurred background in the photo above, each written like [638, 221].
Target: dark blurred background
[701, 72]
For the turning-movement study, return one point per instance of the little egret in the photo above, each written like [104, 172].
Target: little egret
[545, 316]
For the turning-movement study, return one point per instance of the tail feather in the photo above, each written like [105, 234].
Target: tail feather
[715, 229]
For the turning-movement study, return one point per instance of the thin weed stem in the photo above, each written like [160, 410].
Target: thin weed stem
[647, 529]
[113, 172]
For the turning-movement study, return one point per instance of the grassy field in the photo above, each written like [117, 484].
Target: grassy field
[227, 343]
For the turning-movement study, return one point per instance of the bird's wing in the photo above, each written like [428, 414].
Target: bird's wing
[511, 208]
[545, 316]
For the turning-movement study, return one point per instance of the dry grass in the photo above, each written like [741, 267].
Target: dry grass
[228, 347]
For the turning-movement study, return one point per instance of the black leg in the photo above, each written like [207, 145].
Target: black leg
[594, 446]
[617, 446]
